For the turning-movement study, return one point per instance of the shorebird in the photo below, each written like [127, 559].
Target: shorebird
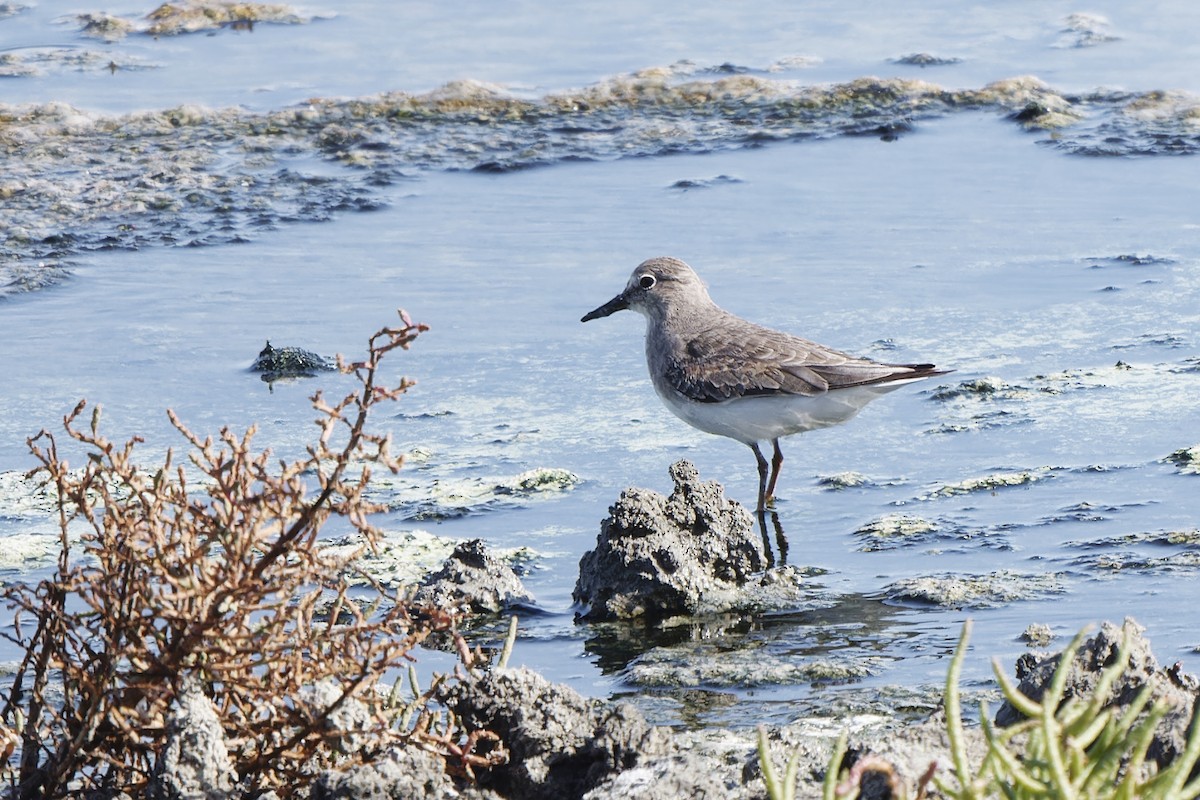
[730, 377]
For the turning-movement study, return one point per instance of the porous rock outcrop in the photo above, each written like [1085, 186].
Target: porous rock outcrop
[559, 743]
[1178, 689]
[282, 363]
[474, 581]
[402, 773]
[689, 553]
[194, 763]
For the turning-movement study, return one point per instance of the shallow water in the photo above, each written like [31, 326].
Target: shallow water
[1062, 288]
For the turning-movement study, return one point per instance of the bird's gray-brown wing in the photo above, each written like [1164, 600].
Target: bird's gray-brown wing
[710, 367]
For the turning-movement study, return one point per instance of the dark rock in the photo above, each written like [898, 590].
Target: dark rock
[279, 363]
[1179, 689]
[926, 60]
[560, 744]
[474, 580]
[656, 556]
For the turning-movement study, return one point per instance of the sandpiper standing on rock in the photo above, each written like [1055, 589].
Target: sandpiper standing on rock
[724, 375]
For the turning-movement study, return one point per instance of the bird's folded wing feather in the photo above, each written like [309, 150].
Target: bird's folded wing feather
[770, 362]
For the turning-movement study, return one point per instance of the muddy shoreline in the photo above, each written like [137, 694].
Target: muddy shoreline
[660, 557]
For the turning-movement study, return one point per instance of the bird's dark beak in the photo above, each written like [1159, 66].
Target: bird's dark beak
[618, 303]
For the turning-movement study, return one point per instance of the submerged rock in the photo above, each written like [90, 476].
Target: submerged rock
[564, 746]
[844, 480]
[279, 363]
[1086, 30]
[475, 581]
[719, 664]
[927, 60]
[1187, 459]
[66, 189]
[655, 556]
[1171, 550]
[102, 25]
[398, 558]
[17, 276]
[985, 388]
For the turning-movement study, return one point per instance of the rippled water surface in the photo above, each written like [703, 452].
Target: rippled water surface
[1023, 213]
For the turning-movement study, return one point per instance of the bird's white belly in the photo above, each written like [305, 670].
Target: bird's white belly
[761, 418]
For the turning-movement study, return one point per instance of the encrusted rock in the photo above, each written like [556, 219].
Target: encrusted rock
[400, 774]
[658, 556]
[1178, 689]
[696, 776]
[1187, 459]
[195, 763]
[351, 724]
[1037, 634]
[474, 580]
[277, 363]
[893, 763]
[560, 744]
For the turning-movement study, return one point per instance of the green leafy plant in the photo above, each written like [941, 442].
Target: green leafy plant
[1077, 747]
[1080, 747]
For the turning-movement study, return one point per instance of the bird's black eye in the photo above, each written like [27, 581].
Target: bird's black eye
[647, 282]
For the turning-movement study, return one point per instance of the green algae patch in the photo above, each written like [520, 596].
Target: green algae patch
[449, 499]
[101, 25]
[893, 531]
[696, 664]
[176, 19]
[844, 480]
[78, 181]
[172, 19]
[991, 483]
[976, 591]
[404, 558]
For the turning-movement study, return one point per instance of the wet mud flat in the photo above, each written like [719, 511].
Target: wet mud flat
[78, 181]
[649, 566]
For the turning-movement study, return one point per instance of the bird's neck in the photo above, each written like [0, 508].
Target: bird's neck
[669, 331]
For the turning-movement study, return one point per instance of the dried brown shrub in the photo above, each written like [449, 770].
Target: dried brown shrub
[214, 574]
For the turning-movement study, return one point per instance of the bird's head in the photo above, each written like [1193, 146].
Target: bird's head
[654, 286]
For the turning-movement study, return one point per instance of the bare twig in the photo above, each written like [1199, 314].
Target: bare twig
[222, 578]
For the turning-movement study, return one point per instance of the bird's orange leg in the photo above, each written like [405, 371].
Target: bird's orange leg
[763, 494]
[776, 463]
